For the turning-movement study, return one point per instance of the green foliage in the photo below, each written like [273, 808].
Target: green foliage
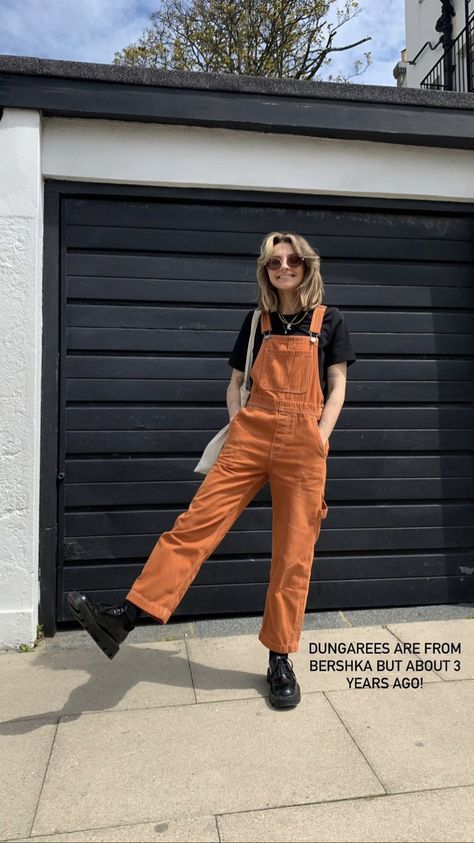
[274, 38]
[28, 648]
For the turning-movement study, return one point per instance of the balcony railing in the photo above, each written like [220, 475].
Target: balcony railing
[455, 69]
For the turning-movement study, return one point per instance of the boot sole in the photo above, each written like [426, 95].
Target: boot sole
[284, 702]
[82, 614]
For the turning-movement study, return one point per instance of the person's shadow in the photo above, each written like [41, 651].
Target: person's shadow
[110, 680]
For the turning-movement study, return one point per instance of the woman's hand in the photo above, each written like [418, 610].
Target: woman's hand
[324, 439]
[336, 387]
[233, 393]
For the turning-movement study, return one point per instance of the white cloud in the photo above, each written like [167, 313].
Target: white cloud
[73, 30]
[93, 30]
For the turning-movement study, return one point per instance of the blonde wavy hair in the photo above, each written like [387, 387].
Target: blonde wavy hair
[310, 292]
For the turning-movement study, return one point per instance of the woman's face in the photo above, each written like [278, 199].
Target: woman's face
[286, 278]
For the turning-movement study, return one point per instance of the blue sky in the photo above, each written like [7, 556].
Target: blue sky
[92, 30]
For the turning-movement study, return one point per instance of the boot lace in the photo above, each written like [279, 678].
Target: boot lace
[283, 669]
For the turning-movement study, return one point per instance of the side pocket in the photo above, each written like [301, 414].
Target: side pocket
[324, 446]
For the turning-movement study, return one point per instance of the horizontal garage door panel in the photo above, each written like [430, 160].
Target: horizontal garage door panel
[331, 541]
[145, 240]
[184, 318]
[347, 467]
[264, 217]
[229, 270]
[213, 342]
[151, 290]
[116, 442]
[108, 495]
[213, 391]
[211, 418]
[154, 293]
[374, 566]
[354, 517]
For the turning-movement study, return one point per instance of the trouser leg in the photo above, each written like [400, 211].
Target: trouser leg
[296, 504]
[177, 556]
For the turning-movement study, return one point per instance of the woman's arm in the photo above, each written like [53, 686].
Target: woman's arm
[233, 392]
[336, 394]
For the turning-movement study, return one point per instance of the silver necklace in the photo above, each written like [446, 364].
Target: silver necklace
[289, 323]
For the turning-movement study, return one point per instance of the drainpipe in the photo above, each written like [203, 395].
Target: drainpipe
[445, 27]
[469, 68]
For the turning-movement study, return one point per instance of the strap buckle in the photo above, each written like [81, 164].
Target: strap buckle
[314, 336]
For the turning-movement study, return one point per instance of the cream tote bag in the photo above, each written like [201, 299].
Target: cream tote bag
[214, 447]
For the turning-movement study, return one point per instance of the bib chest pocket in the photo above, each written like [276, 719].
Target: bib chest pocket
[285, 370]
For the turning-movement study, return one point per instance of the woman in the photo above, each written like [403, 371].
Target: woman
[281, 435]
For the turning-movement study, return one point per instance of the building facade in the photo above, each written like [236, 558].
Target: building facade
[439, 52]
[132, 207]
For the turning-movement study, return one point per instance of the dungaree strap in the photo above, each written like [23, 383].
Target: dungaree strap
[265, 324]
[316, 322]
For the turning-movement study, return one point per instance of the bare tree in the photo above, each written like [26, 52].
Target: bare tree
[278, 38]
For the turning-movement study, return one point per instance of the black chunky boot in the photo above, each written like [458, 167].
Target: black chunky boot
[107, 625]
[284, 689]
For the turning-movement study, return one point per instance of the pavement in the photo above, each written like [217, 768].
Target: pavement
[175, 740]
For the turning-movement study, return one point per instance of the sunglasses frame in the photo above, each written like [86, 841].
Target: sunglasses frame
[300, 262]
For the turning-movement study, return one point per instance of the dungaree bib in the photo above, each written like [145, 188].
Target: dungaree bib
[274, 438]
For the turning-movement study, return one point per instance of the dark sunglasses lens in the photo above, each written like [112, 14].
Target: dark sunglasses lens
[295, 260]
[292, 260]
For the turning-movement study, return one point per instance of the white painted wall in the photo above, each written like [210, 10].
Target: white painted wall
[146, 153]
[21, 243]
[420, 20]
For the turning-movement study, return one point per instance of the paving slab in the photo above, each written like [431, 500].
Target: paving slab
[196, 830]
[251, 624]
[447, 637]
[324, 620]
[228, 668]
[408, 614]
[228, 626]
[76, 681]
[25, 753]
[414, 739]
[435, 816]
[118, 767]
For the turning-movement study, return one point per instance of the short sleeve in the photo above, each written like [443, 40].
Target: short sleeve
[339, 347]
[238, 356]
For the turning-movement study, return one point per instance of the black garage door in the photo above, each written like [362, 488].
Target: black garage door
[154, 289]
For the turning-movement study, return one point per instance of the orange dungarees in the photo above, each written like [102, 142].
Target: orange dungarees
[274, 437]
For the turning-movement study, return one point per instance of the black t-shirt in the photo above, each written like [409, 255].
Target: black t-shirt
[335, 344]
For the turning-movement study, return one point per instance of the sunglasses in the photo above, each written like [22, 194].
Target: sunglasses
[293, 262]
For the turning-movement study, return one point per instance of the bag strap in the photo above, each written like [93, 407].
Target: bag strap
[248, 362]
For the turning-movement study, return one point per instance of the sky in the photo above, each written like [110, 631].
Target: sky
[93, 30]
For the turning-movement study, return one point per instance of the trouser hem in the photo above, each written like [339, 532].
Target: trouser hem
[279, 646]
[159, 613]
